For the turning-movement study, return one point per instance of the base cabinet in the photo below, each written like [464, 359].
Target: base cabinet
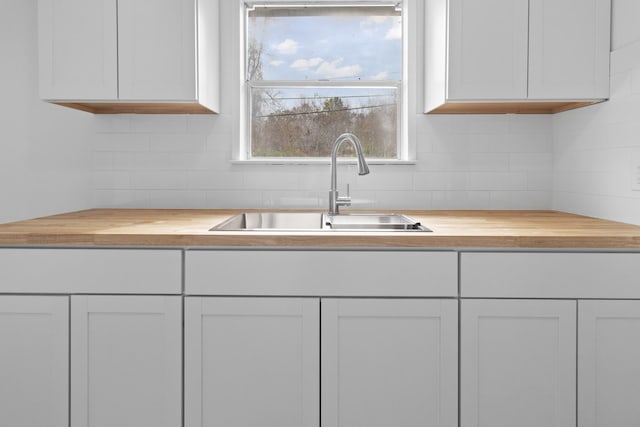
[518, 363]
[251, 362]
[608, 368]
[258, 362]
[126, 361]
[389, 363]
[34, 361]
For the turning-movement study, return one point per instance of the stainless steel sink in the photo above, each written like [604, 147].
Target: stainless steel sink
[374, 221]
[316, 221]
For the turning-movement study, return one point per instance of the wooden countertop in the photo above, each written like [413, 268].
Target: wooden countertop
[189, 227]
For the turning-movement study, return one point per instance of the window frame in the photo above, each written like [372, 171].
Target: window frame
[241, 152]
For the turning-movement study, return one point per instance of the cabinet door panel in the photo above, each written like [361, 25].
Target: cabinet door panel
[518, 363]
[77, 42]
[569, 49]
[34, 361]
[389, 363]
[608, 355]
[126, 361]
[488, 49]
[251, 362]
[157, 47]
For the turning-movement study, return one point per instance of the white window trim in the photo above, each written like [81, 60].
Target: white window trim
[234, 89]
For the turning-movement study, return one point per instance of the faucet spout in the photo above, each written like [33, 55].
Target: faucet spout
[336, 201]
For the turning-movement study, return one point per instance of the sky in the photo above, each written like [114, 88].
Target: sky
[330, 47]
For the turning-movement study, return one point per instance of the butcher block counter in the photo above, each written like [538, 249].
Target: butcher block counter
[494, 312]
[450, 229]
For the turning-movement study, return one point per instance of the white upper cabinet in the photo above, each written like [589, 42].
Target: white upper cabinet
[134, 56]
[569, 49]
[515, 56]
[488, 49]
[78, 48]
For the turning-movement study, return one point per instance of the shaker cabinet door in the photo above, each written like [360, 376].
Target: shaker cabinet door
[34, 361]
[488, 49]
[251, 362]
[518, 363]
[126, 361]
[157, 49]
[608, 368]
[569, 49]
[78, 49]
[389, 363]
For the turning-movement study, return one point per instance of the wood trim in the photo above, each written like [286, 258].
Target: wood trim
[550, 107]
[138, 107]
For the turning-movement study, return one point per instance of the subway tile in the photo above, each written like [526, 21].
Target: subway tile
[496, 181]
[461, 199]
[403, 200]
[519, 200]
[527, 162]
[176, 199]
[229, 199]
[159, 180]
[290, 199]
[119, 198]
[213, 180]
[177, 142]
[495, 162]
[158, 123]
[440, 181]
[120, 142]
[108, 180]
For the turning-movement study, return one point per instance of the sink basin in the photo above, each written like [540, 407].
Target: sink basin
[374, 221]
[316, 221]
[272, 221]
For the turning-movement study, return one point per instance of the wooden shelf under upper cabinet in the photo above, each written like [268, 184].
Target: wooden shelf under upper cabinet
[509, 107]
[138, 107]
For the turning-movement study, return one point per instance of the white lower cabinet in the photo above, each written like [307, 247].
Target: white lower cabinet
[389, 363]
[257, 362]
[126, 361]
[251, 362]
[518, 363]
[609, 363]
[34, 361]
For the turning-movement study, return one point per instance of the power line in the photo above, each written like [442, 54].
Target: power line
[331, 97]
[323, 111]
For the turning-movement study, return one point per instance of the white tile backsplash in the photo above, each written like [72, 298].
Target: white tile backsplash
[470, 157]
[593, 148]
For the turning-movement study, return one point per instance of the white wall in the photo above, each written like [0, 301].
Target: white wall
[597, 149]
[44, 150]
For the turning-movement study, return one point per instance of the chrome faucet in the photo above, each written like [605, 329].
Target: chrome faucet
[336, 201]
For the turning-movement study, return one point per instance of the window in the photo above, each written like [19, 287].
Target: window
[316, 70]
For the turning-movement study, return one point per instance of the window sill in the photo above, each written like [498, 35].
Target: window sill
[342, 161]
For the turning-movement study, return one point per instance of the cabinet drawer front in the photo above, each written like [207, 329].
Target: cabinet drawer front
[331, 273]
[550, 275]
[124, 271]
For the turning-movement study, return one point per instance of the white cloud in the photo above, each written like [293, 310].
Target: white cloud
[287, 47]
[395, 32]
[276, 63]
[378, 19]
[380, 76]
[305, 64]
[332, 70]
